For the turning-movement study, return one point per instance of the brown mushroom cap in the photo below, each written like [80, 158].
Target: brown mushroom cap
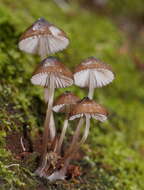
[43, 38]
[88, 107]
[52, 66]
[67, 98]
[100, 73]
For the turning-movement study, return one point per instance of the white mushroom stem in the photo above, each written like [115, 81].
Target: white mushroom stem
[47, 120]
[43, 50]
[62, 135]
[85, 135]
[55, 144]
[52, 123]
[86, 132]
[63, 171]
[65, 125]
[52, 127]
[77, 132]
[46, 95]
[75, 136]
[91, 87]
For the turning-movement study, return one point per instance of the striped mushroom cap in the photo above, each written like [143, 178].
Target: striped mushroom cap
[100, 73]
[43, 38]
[88, 107]
[67, 98]
[52, 66]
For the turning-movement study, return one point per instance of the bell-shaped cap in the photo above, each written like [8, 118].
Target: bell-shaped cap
[88, 107]
[43, 38]
[52, 66]
[93, 69]
[64, 100]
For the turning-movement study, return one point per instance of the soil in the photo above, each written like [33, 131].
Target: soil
[21, 150]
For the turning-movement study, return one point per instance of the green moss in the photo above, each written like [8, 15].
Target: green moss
[114, 150]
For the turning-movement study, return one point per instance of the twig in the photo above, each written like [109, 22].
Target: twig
[11, 165]
[21, 140]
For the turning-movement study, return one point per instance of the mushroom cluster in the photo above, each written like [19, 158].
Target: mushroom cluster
[44, 39]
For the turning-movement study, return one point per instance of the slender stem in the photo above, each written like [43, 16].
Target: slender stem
[86, 130]
[42, 49]
[48, 46]
[76, 148]
[91, 87]
[65, 125]
[77, 132]
[55, 144]
[75, 136]
[46, 95]
[48, 115]
[85, 135]
[52, 123]
[52, 127]
[62, 135]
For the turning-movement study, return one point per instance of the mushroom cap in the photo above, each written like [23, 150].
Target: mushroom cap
[88, 107]
[52, 66]
[43, 38]
[93, 69]
[65, 99]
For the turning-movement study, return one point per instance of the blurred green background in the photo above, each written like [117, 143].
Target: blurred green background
[110, 30]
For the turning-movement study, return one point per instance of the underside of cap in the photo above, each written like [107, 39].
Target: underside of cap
[43, 38]
[58, 108]
[42, 79]
[52, 66]
[92, 72]
[88, 107]
[29, 45]
[43, 45]
[64, 100]
[98, 117]
[63, 108]
[73, 117]
[98, 77]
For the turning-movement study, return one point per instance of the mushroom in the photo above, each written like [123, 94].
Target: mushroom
[90, 109]
[43, 38]
[87, 109]
[63, 104]
[51, 74]
[92, 73]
